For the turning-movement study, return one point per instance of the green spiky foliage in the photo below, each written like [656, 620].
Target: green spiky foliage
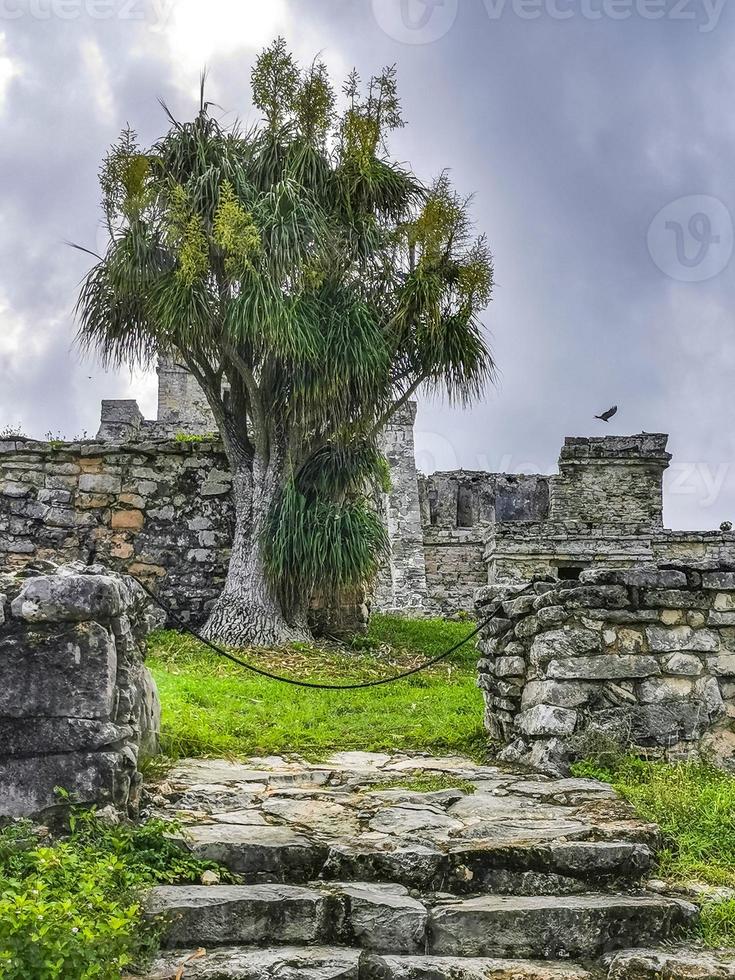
[298, 265]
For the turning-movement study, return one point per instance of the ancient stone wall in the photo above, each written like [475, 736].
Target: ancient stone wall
[160, 510]
[458, 512]
[77, 706]
[401, 585]
[642, 656]
[611, 480]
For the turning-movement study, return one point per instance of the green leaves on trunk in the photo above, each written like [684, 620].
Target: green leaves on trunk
[322, 534]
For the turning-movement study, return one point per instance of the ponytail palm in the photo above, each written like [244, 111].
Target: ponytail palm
[298, 268]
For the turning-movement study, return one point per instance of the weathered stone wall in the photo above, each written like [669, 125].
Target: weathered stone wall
[77, 706]
[182, 405]
[459, 510]
[642, 657]
[401, 585]
[611, 480]
[159, 510]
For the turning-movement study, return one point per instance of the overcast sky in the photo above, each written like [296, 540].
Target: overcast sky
[597, 135]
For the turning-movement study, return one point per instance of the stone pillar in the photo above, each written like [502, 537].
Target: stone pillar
[182, 406]
[78, 708]
[402, 584]
[121, 421]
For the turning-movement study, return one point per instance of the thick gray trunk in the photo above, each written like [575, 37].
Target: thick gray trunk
[248, 614]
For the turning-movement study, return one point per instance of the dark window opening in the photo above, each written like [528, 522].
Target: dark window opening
[465, 507]
[433, 507]
[569, 573]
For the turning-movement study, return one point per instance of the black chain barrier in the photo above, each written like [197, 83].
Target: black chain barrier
[181, 625]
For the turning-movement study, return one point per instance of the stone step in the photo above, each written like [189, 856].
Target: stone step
[555, 927]
[386, 919]
[370, 916]
[673, 964]
[321, 963]
[273, 854]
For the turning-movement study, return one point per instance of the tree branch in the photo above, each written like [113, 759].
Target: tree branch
[396, 406]
[260, 427]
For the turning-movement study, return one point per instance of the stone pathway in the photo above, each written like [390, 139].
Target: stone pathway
[344, 875]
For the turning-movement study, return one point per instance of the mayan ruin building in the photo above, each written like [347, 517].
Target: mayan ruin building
[450, 532]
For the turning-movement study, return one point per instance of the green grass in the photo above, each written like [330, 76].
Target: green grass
[213, 708]
[426, 784]
[694, 804]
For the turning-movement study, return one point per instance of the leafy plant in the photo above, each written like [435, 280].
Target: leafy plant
[9, 432]
[70, 908]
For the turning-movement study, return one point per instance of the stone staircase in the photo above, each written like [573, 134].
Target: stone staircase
[344, 875]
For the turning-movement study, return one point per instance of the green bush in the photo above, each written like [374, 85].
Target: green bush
[70, 908]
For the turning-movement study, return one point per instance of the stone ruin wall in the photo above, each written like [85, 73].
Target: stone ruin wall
[142, 498]
[158, 510]
[459, 509]
[78, 708]
[642, 657]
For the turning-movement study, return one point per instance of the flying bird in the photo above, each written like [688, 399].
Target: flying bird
[606, 416]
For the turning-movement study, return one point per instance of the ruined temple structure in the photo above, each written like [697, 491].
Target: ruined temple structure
[142, 500]
[452, 533]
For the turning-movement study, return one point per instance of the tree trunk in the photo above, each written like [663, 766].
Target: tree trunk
[248, 614]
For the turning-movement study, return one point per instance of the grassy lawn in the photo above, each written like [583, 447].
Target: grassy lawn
[214, 708]
[694, 804]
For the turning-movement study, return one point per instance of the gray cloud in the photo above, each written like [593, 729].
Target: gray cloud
[573, 133]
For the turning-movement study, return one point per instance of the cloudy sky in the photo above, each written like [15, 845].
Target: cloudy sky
[597, 135]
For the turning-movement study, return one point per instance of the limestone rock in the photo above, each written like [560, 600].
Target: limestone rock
[546, 719]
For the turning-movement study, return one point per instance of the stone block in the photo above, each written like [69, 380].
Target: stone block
[29, 783]
[709, 693]
[663, 640]
[676, 599]
[527, 628]
[723, 665]
[725, 602]
[68, 598]
[595, 596]
[510, 667]
[721, 581]
[639, 577]
[513, 608]
[672, 617]
[66, 672]
[721, 619]
[100, 483]
[612, 667]
[557, 693]
[131, 520]
[568, 642]
[545, 719]
[552, 615]
[685, 664]
[662, 689]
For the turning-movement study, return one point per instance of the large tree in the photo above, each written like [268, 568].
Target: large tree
[297, 265]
